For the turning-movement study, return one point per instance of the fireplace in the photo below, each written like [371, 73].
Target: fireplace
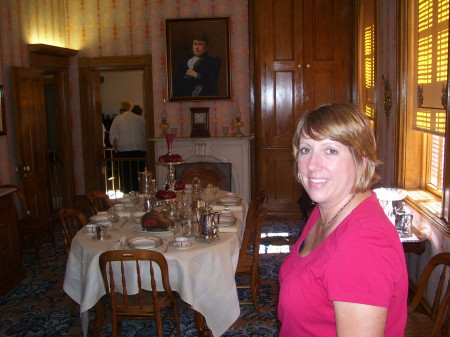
[227, 150]
[207, 173]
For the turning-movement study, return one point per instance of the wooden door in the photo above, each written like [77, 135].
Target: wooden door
[302, 60]
[31, 137]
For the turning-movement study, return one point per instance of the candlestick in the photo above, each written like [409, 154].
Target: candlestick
[164, 125]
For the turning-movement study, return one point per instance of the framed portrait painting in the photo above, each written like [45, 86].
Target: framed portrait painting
[198, 59]
[2, 111]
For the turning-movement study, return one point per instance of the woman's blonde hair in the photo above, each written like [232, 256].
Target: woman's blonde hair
[346, 124]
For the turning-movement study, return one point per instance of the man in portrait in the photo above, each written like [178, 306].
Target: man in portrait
[197, 73]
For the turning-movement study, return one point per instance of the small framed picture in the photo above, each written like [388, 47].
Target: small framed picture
[198, 59]
[2, 111]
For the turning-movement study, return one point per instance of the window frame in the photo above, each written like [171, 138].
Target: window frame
[411, 173]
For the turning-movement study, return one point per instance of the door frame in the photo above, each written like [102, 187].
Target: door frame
[91, 114]
[55, 61]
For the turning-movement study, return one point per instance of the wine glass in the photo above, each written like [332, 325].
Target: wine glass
[174, 227]
[215, 189]
[113, 216]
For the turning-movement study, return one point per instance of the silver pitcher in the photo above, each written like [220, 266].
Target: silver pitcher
[403, 219]
[209, 224]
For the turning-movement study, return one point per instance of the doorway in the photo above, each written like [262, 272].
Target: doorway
[91, 70]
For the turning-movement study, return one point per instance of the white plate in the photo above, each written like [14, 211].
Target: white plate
[106, 223]
[227, 201]
[155, 231]
[176, 244]
[227, 220]
[98, 218]
[144, 242]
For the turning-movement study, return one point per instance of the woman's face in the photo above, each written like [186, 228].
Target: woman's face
[327, 170]
[199, 47]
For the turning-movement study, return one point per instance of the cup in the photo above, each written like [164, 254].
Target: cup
[225, 130]
[182, 241]
[112, 214]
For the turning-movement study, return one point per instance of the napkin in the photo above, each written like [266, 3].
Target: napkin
[120, 244]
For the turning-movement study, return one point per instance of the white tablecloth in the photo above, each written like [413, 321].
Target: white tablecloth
[202, 274]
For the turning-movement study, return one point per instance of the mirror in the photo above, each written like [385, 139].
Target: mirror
[2, 111]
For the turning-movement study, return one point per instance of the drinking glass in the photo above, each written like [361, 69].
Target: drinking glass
[215, 189]
[225, 131]
[113, 216]
[174, 227]
[134, 197]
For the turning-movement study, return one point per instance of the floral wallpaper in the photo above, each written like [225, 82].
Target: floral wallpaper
[113, 28]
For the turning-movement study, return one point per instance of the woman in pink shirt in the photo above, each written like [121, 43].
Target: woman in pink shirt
[346, 275]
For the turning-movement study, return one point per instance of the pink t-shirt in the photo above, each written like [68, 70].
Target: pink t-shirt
[361, 261]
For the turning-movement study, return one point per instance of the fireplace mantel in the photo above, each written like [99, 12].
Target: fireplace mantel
[234, 150]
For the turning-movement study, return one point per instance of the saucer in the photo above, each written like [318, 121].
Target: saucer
[229, 201]
[177, 244]
[227, 221]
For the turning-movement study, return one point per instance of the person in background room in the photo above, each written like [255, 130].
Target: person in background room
[346, 275]
[137, 109]
[128, 136]
[197, 72]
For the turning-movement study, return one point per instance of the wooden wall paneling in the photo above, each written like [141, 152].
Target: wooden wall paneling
[303, 59]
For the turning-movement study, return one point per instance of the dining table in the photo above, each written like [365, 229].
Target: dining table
[203, 273]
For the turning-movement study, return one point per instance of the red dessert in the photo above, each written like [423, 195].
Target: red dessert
[179, 185]
[165, 194]
[170, 158]
[154, 220]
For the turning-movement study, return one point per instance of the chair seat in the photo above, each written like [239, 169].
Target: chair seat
[418, 325]
[147, 303]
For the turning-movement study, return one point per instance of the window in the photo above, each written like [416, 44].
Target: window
[426, 107]
[367, 57]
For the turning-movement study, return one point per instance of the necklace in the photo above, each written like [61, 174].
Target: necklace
[325, 224]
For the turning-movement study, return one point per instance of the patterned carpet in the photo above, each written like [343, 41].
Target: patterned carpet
[38, 306]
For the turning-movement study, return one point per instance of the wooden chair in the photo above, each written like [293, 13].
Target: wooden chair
[139, 303]
[72, 220]
[99, 201]
[32, 230]
[248, 262]
[436, 323]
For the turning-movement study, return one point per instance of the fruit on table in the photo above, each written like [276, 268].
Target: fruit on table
[165, 194]
[179, 185]
[170, 158]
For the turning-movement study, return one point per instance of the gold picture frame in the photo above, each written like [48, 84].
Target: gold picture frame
[198, 59]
